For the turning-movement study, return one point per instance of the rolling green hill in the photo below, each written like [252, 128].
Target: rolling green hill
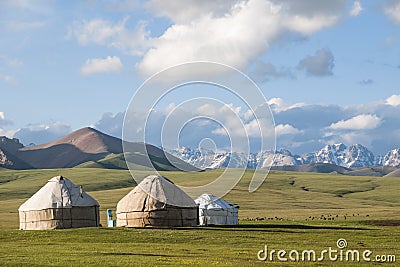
[283, 194]
[289, 211]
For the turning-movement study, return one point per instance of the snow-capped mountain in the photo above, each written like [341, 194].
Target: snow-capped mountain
[359, 156]
[209, 160]
[339, 154]
[390, 159]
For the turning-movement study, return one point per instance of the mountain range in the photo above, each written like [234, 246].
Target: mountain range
[354, 156]
[88, 148]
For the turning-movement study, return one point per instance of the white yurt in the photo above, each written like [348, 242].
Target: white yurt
[214, 211]
[156, 201]
[59, 204]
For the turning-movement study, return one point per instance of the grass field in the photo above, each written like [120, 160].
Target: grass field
[300, 211]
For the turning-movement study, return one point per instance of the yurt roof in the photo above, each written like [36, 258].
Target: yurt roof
[58, 192]
[154, 192]
[209, 201]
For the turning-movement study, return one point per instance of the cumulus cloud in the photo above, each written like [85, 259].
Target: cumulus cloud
[39, 134]
[99, 65]
[219, 35]
[360, 122]
[279, 105]
[392, 10]
[320, 64]
[394, 100]
[230, 32]
[356, 9]
[284, 129]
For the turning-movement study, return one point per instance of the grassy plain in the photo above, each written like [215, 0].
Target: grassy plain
[289, 211]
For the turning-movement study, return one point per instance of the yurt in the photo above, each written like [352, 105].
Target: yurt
[156, 202]
[214, 211]
[59, 204]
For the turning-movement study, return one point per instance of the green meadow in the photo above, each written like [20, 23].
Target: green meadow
[290, 211]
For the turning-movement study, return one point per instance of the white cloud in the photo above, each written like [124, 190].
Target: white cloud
[360, 122]
[394, 100]
[320, 64]
[96, 31]
[2, 117]
[233, 36]
[284, 129]
[105, 32]
[392, 9]
[279, 105]
[356, 10]
[230, 32]
[307, 25]
[99, 65]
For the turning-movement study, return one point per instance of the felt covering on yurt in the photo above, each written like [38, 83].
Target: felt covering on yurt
[59, 204]
[214, 211]
[156, 201]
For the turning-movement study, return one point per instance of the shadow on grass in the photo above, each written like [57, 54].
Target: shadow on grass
[275, 227]
[260, 227]
[134, 254]
[383, 222]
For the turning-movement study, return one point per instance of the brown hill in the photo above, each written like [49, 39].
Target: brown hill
[395, 173]
[90, 145]
[80, 146]
[372, 171]
[87, 140]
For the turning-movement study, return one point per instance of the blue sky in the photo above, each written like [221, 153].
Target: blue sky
[70, 64]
